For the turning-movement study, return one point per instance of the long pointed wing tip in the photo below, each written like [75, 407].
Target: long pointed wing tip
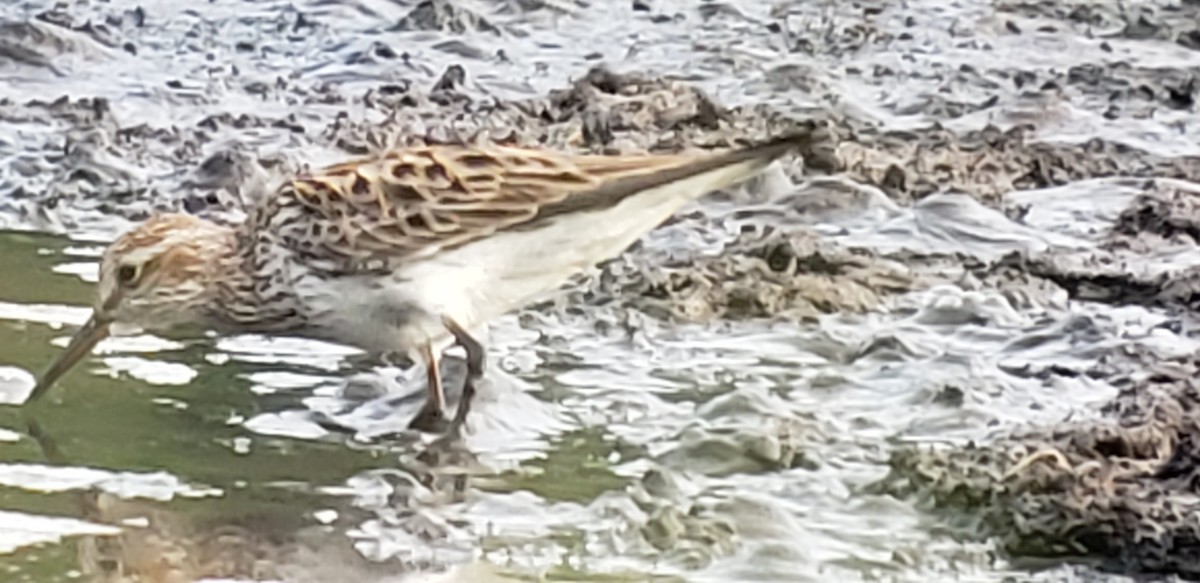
[792, 140]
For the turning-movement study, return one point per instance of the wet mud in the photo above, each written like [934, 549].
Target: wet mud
[963, 316]
[1118, 491]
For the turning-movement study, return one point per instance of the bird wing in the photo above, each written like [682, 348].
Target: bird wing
[414, 202]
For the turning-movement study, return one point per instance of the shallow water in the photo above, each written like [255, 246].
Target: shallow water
[766, 431]
[607, 445]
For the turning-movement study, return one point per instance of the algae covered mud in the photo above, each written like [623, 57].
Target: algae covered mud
[954, 343]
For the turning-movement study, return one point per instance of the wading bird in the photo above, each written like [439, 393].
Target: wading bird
[405, 251]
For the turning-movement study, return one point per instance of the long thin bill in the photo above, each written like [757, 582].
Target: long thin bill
[80, 346]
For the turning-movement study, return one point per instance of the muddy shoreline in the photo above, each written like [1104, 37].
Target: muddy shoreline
[970, 303]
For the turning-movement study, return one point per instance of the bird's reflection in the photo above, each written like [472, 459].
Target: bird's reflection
[158, 544]
[272, 536]
[178, 542]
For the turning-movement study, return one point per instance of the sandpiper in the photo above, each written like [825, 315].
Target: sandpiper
[405, 251]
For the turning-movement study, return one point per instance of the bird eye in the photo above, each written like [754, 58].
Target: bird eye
[127, 274]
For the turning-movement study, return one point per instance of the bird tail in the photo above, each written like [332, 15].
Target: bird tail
[700, 175]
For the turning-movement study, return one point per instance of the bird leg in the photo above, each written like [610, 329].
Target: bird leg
[476, 357]
[432, 416]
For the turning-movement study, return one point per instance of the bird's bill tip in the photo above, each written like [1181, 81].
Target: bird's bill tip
[92, 332]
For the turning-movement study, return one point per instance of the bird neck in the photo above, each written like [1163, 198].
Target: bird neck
[252, 293]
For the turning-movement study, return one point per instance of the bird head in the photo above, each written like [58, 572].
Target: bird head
[155, 277]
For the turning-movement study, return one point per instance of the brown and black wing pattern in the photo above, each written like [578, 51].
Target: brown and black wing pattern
[408, 204]
[411, 203]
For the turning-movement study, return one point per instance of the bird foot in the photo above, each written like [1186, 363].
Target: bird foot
[430, 419]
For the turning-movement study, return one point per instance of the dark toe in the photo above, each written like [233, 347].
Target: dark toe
[430, 420]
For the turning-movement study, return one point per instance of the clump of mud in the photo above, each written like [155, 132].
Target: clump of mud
[444, 16]
[760, 273]
[989, 163]
[1120, 490]
[1157, 19]
[1133, 263]
[1166, 215]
